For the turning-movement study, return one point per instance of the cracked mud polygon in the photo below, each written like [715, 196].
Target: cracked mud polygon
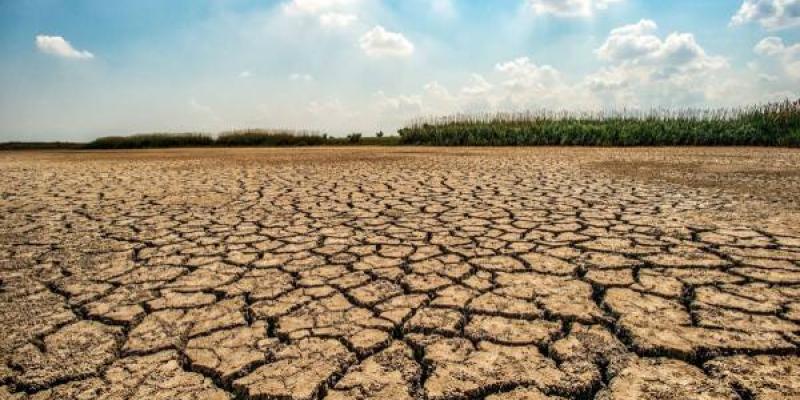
[400, 273]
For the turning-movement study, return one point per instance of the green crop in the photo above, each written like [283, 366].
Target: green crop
[775, 124]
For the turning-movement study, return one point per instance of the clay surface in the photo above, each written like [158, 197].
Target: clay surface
[400, 273]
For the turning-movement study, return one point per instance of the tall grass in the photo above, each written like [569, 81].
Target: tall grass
[775, 124]
[275, 138]
[40, 146]
[152, 140]
[239, 138]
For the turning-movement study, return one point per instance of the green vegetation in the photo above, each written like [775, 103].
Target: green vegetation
[151, 140]
[241, 138]
[40, 146]
[271, 138]
[379, 141]
[776, 124]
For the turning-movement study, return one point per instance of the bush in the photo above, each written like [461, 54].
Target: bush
[274, 138]
[40, 146]
[152, 140]
[354, 138]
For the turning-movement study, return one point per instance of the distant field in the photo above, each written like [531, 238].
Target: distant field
[243, 138]
[776, 124]
[40, 145]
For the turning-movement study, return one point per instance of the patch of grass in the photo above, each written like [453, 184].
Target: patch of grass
[379, 141]
[152, 140]
[40, 146]
[240, 138]
[271, 138]
[776, 124]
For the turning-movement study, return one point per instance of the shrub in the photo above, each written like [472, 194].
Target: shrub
[151, 140]
[275, 138]
[40, 146]
[354, 138]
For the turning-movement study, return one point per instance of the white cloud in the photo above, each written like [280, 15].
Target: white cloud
[786, 57]
[245, 74]
[379, 42]
[404, 105]
[436, 89]
[301, 77]
[522, 74]
[638, 44]
[477, 85]
[58, 46]
[570, 8]
[337, 19]
[326, 107]
[770, 46]
[645, 69]
[607, 79]
[316, 6]
[770, 14]
[630, 42]
[328, 13]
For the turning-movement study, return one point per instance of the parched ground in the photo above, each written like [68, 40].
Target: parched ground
[400, 273]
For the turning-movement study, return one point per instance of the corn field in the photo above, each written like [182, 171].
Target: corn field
[774, 124]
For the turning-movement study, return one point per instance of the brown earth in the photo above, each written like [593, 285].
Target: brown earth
[400, 273]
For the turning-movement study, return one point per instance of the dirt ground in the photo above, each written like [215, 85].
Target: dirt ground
[400, 273]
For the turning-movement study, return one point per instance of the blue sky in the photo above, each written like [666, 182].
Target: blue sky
[78, 69]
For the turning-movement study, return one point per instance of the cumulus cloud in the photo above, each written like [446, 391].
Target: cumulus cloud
[770, 46]
[786, 56]
[638, 44]
[770, 14]
[379, 42]
[58, 46]
[329, 13]
[337, 19]
[405, 105]
[316, 6]
[570, 8]
[644, 68]
[630, 42]
[522, 74]
[608, 79]
[477, 85]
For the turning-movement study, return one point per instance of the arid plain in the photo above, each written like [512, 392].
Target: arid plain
[401, 273]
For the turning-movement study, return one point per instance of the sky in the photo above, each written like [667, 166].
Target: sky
[79, 69]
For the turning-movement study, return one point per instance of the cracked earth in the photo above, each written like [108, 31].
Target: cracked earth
[400, 273]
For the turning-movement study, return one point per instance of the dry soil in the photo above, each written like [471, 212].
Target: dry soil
[400, 273]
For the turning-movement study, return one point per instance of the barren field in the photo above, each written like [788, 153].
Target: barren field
[400, 273]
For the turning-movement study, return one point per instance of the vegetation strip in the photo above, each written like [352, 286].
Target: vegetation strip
[775, 124]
